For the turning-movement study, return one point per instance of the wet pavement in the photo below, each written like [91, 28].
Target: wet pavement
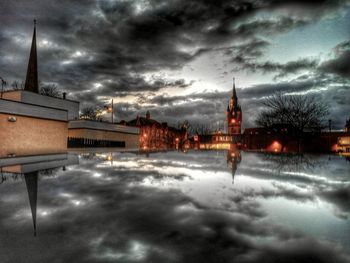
[198, 206]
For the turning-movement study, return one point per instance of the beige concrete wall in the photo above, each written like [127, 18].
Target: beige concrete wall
[30, 136]
[12, 95]
[72, 107]
[131, 140]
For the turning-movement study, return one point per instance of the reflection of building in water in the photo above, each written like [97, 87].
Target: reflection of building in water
[234, 157]
[31, 167]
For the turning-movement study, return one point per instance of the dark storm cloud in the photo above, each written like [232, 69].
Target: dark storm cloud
[269, 27]
[279, 69]
[121, 39]
[125, 86]
[252, 49]
[340, 65]
[114, 43]
[135, 84]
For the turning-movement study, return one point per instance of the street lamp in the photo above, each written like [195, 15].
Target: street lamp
[110, 109]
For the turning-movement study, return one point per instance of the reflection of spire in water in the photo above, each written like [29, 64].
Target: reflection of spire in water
[32, 188]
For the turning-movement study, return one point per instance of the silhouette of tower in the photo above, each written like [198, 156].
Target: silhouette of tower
[31, 83]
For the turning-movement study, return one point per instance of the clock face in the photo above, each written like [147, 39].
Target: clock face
[231, 103]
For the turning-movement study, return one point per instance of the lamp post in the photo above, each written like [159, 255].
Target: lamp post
[110, 109]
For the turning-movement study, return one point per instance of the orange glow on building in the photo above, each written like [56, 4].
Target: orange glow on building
[155, 135]
[334, 147]
[276, 146]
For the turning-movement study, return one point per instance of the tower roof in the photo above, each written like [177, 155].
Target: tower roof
[234, 95]
[31, 83]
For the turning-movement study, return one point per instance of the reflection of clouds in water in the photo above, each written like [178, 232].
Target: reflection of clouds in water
[148, 215]
[304, 185]
[339, 196]
[328, 180]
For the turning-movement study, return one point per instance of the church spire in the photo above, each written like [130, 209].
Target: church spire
[234, 95]
[31, 83]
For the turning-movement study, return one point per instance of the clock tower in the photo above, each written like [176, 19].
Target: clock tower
[234, 114]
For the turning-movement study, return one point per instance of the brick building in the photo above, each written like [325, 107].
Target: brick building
[155, 135]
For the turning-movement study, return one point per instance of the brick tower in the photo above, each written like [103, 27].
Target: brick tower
[234, 114]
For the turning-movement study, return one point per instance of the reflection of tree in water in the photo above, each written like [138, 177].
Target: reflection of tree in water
[291, 162]
[5, 176]
[51, 172]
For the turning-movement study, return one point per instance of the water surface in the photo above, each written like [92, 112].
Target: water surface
[199, 206]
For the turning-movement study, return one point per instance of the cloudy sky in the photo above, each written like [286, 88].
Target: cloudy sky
[177, 58]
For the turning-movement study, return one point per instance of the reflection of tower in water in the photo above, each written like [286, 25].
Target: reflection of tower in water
[31, 167]
[32, 188]
[233, 159]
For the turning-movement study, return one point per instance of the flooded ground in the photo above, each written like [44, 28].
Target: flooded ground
[199, 206]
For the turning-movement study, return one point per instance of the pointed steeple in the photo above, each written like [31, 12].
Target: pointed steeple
[32, 188]
[234, 95]
[31, 83]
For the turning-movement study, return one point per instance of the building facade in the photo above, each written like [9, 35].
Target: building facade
[234, 114]
[30, 125]
[88, 133]
[155, 135]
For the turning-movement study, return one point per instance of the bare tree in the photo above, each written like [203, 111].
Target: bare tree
[91, 113]
[291, 162]
[16, 85]
[50, 90]
[293, 114]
